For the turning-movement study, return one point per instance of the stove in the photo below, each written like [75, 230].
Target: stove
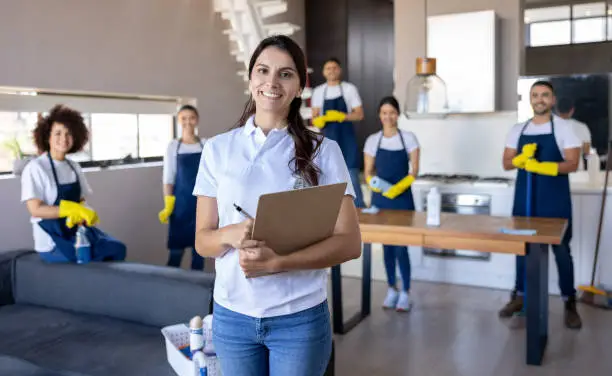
[465, 178]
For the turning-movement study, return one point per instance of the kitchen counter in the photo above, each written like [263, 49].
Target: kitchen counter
[498, 270]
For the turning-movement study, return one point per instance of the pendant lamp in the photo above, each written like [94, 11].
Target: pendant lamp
[426, 92]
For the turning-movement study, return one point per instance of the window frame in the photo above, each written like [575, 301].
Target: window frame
[607, 18]
[133, 160]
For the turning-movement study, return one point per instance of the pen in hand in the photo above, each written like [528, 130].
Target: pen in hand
[241, 211]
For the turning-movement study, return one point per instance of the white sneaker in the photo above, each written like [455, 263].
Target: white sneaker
[391, 299]
[403, 303]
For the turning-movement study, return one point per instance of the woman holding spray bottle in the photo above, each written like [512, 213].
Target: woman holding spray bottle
[54, 190]
[181, 164]
[391, 163]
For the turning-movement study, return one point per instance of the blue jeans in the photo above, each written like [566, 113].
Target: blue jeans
[298, 344]
[354, 173]
[176, 256]
[391, 254]
[565, 268]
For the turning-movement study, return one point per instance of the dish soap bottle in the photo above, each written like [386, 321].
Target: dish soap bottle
[82, 246]
[434, 207]
[593, 165]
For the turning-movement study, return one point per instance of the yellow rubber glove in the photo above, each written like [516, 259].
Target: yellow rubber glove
[368, 180]
[335, 116]
[542, 168]
[399, 188]
[168, 209]
[319, 122]
[527, 153]
[77, 213]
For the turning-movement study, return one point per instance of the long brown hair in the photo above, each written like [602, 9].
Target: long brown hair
[307, 142]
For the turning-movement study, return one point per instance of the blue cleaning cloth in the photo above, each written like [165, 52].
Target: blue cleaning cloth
[517, 232]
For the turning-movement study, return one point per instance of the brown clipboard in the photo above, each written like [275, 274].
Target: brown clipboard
[292, 220]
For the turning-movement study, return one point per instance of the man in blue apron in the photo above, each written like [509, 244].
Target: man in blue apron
[549, 151]
[103, 246]
[336, 105]
[180, 171]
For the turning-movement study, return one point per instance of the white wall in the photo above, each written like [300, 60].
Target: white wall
[154, 47]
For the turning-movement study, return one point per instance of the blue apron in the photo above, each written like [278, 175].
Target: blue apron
[181, 229]
[103, 247]
[343, 133]
[393, 166]
[551, 196]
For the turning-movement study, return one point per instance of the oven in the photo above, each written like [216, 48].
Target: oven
[461, 203]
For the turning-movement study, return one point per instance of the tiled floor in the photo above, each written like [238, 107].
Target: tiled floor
[455, 331]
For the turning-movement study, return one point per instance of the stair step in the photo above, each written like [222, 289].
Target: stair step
[269, 8]
[285, 28]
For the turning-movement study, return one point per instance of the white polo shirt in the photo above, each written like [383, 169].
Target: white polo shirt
[238, 167]
[37, 183]
[564, 134]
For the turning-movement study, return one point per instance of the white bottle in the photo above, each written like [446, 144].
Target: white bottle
[593, 165]
[434, 207]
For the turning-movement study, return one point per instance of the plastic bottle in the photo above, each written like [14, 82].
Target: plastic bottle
[434, 207]
[196, 345]
[380, 184]
[209, 347]
[593, 165]
[82, 246]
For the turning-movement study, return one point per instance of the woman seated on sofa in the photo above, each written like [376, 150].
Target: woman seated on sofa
[54, 190]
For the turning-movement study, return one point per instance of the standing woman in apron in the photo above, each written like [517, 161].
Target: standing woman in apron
[336, 105]
[54, 190]
[180, 170]
[393, 156]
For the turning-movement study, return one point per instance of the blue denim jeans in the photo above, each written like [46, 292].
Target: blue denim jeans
[354, 173]
[397, 255]
[298, 344]
[176, 256]
[565, 267]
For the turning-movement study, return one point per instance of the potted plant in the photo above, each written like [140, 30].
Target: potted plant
[20, 158]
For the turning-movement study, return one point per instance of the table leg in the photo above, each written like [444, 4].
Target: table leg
[339, 326]
[537, 302]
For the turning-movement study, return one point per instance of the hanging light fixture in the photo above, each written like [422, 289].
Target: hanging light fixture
[426, 91]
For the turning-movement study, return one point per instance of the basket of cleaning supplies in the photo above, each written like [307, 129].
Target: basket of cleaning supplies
[179, 342]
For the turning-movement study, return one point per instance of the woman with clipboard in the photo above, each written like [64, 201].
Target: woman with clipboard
[279, 323]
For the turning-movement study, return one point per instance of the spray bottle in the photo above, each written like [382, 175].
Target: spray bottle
[82, 246]
[196, 346]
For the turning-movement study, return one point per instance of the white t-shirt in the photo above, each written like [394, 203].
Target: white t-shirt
[37, 182]
[349, 91]
[169, 174]
[564, 134]
[237, 167]
[581, 130]
[390, 143]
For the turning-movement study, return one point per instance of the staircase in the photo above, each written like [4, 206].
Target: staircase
[247, 27]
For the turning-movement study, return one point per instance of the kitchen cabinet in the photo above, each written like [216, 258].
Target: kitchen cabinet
[465, 48]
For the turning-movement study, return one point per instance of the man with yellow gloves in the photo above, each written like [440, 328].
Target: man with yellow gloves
[181, 163]
[550, 150]
[335, 106]
[391, 156]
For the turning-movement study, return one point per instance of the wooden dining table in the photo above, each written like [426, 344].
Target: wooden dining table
[456, 231]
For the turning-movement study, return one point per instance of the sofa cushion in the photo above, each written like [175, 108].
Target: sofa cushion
[18, 367]
[87, 344]
[146, 294]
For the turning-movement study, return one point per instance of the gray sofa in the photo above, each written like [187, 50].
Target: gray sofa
[94, 319]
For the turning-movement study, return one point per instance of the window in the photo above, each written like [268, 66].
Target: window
[561, 25]
[118, 128]
[550, 33]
